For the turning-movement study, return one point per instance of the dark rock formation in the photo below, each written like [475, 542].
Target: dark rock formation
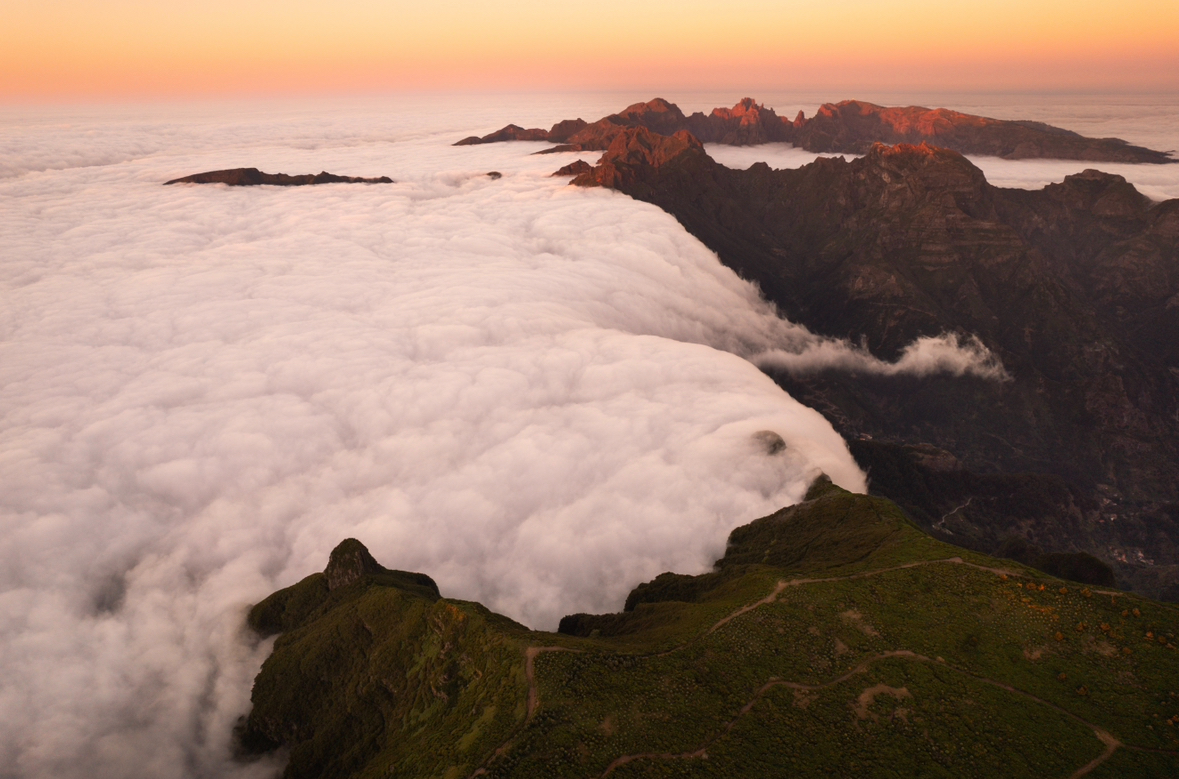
[349, 562]
[850, 127]
[1072, 287]
[510, 133]
[250, 177]
[575, 168]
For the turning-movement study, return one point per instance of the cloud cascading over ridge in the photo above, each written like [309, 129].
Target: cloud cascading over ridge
[517, 387]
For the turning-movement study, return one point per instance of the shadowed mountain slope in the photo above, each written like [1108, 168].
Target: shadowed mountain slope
[1074, 287]
[833, 638]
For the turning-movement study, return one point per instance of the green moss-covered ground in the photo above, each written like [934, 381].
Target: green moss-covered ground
[833, 639]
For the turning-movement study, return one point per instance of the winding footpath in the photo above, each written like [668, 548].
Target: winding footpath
[1112, 744]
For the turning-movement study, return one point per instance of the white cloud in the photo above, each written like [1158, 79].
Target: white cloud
[928, 355]
[520, 388]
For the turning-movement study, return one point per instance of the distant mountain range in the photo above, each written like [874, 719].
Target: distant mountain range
[850, 127]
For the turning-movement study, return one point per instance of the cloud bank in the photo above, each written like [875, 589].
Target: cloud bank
[532, 393]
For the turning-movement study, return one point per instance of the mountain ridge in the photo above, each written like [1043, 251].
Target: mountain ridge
[842, 640]
[847, 127]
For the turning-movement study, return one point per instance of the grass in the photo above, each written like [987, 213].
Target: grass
[869, 652]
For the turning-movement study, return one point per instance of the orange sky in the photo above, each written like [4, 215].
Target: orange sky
[51, 49]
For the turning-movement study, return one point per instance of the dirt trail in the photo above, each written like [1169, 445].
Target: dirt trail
[773, 596]
[530, 674]
[1111, 743]
[531, 653]
[783, 584]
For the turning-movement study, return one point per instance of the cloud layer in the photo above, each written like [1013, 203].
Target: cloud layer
[526, 390]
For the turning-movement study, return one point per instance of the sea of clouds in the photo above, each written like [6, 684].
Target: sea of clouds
[538, 395]
[1149, 120]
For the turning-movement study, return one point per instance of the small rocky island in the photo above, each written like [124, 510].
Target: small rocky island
[849, 127]
[252, 177]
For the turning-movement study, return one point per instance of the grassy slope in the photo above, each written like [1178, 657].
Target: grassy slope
[869, 653]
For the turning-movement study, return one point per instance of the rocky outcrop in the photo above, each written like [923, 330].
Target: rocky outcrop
[575, 168]
[1072, 287]
[350, 568]
[250, 177]
[631, 152]
[850, 127]
[350, 562]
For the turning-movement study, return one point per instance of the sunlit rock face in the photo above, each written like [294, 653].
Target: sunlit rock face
[848, 127]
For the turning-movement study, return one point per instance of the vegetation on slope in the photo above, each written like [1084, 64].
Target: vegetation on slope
[834, 638]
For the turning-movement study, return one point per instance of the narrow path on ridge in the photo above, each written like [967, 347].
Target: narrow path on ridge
[533, 696]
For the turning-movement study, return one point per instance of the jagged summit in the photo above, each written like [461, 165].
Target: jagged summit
[637, 147]
[349, 562]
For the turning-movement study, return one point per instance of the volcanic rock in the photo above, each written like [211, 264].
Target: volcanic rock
[249, 177]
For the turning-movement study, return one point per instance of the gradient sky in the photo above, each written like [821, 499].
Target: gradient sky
[131, 48]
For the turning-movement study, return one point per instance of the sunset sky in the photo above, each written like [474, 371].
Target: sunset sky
[53, 49]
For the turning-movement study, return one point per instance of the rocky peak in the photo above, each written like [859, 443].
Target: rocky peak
[658, 115]
[349, 562]
[564, 130]
[655, 106]
[747, 106]
[637, 148]
[923, 167]
[1102, 194]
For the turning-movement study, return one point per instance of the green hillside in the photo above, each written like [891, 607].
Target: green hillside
[834, 638]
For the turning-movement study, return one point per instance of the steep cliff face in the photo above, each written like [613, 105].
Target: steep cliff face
[1073, 287]
[850, 127]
